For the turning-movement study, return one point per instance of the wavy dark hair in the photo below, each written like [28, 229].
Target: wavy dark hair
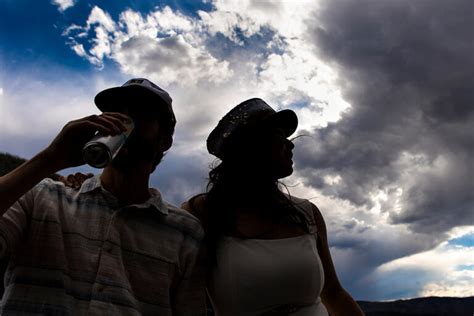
[238, 182]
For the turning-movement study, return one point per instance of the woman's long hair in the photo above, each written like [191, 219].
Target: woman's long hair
[237, 182]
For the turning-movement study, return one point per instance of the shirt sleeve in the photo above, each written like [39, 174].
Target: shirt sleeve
[14, 223]
[190, 295]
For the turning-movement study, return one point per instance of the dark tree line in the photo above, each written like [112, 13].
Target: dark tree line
[9, 162]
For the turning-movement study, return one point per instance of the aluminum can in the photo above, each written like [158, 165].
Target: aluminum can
[101, 150]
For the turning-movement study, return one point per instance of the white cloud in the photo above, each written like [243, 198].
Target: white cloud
[288, 18]
[443, 258]
[64, 4]
[34, 109]
[174, 49]
[370, 252]
[455, 284]
[171, 22]
[102, 18]
[170, 60]
[293, 73]
[163, 44]
[80, 51]
[103, 26]
[449, 269]
[226, 23]
[298, 75]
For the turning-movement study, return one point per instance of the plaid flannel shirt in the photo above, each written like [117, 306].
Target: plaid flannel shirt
[78, 252]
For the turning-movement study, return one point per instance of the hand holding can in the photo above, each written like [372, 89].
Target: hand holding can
[102, 149]
[66, 148]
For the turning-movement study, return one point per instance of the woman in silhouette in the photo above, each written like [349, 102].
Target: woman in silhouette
[268, 252]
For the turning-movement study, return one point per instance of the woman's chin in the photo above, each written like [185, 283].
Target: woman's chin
[288, 171]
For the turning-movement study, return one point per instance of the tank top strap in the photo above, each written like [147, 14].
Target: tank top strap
[304, 206]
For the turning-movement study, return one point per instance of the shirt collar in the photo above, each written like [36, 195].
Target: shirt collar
[155, 201]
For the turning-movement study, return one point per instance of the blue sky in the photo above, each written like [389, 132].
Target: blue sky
[463, 241]
[382, 89]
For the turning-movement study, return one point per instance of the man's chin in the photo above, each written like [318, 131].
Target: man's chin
[125, 161]
[120, 163]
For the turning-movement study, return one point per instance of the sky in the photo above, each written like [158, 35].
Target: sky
[382, 89]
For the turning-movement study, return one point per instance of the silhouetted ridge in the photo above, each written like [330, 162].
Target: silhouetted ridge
[426, 306]
[9, 162]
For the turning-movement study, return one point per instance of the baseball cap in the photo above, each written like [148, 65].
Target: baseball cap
[249, 114]
[140, 92]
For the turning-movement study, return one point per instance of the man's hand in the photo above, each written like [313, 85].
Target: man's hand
[75, 180]
[66, 149]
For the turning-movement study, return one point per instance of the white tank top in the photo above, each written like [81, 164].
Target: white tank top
[258, 276]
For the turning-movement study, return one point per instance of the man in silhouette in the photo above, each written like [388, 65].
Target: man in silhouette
[112, 246]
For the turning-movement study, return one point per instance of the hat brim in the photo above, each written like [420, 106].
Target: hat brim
[284, 119]
[117, 98]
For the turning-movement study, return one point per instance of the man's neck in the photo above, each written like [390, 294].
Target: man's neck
[129, 187]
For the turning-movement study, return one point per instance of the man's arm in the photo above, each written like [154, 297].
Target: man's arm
[63, 152]
[15, 184]
[191, 294]
[189, 297]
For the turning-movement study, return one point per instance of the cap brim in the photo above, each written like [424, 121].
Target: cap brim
[284, 119]
[114, 99]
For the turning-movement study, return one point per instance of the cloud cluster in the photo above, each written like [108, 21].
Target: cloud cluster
[436, 272]
[164, 44]
[247, 47]
[406, 70]
[362, 240]
[401, 154]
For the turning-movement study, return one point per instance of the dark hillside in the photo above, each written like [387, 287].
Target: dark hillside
[9, 162]
[426, 306]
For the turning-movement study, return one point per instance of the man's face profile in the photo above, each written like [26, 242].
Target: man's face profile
[143, 145]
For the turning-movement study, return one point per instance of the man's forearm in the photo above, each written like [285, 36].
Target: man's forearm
[16, 183]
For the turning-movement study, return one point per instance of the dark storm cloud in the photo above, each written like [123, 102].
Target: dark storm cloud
[407, 69]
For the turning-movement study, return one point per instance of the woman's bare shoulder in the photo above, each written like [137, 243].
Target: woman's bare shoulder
[196, 206]
[319, 219]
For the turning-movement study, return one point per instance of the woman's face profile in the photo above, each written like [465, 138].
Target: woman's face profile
[274, 153]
